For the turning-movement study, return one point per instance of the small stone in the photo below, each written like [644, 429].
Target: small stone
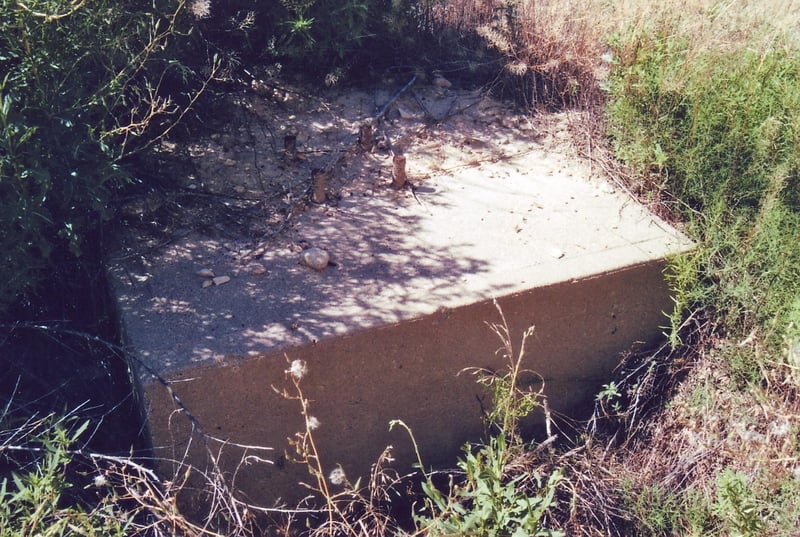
[207, 284]
[441, 82]
[219, 280]
[257, 269]
[407, 113]
[316, 258]
[607, 188]
[168, 146]
[205, 273]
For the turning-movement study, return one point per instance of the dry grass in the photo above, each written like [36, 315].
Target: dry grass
[552, 51]
[710, 426]
[707, 24]
[549, 51]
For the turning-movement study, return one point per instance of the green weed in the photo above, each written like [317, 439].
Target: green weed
[736, 505]
[489, 502]
[37, 500]
[490, 497]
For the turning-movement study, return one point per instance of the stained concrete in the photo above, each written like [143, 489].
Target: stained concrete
[388, 330]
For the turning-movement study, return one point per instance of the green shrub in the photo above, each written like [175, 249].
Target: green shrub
[717, 127]
[327, 34]
[84, 86]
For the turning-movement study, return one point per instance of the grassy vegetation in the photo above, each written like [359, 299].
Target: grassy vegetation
[700, 103]
[705, 111]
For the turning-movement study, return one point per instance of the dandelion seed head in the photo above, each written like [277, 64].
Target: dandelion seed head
[298, 369]
[312, 423]
[200, 9]
[100, 481]
[337, 476]
[752, 436]
[331, 79]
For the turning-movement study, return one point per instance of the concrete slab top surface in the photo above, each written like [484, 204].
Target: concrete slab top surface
[477, 230]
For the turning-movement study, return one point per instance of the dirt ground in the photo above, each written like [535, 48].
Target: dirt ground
[238, 181]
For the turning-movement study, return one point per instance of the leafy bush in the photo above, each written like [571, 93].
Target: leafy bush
[324, 40]
[327, 34]
[84, 87]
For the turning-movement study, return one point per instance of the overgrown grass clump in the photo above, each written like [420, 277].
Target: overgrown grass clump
[717, 133]
[710, 123]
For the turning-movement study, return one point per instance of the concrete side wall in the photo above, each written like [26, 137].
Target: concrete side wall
[410, 371]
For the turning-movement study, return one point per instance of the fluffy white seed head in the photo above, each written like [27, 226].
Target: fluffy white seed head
[298, 369]
[337, 476]
[200, 9]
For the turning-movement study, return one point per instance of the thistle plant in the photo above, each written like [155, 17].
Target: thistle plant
[352, 510]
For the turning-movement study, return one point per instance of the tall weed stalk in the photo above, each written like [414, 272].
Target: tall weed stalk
[497, 492]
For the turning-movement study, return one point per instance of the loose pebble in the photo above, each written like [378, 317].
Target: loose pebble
[441, 82]
[407, 113]
[219, 280]
[607, 188]
[207, 284]
[205, 273]
[316, 258]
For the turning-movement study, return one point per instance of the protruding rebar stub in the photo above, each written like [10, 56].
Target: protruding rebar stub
[319, 178]
[366, 135]
[290, 146]
[399, 177]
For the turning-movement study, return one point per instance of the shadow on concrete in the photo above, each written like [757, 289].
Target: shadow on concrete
[389, 264]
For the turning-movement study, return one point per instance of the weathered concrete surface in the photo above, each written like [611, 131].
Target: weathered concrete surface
[388, 329]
